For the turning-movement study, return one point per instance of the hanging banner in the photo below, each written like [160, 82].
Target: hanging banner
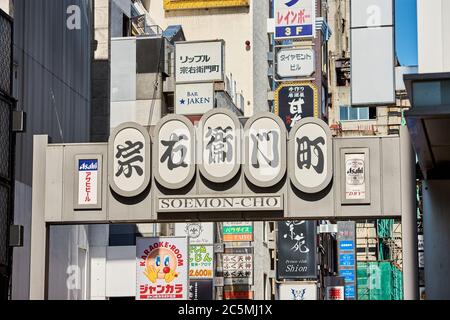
[237, 231]
[294, 18]
[355, 182]
[297, 291]
[201, 290]
[295, 101]
[162, 268]
[296, 243]
[198, 232]
[201, 262]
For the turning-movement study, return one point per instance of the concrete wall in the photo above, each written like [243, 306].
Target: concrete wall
[53, 89]
[235, 26]
[436, 221]
[433, 36]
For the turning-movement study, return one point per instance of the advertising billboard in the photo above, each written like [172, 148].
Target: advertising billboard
[237, 231]
[88, 185]
[162, 268]
[201, 262]
[296, 243]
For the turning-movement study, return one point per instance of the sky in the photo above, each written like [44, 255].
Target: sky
[406, 32]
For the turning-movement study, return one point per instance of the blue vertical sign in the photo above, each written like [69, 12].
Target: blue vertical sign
[347, 257]
[294, 19]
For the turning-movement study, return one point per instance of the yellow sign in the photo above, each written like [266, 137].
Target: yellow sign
[203, 4]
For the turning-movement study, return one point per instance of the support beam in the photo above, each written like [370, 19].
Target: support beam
[409, 217]
[38, 225]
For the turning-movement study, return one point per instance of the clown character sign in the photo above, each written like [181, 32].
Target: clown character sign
[162, 268]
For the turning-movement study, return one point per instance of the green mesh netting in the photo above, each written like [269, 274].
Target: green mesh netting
[379, 281]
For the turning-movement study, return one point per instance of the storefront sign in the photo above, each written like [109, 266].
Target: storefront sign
[217, 203]
[334, 293]
[296, 243]
[129, 159]
[88, 183]
[237, 231]
[297, 291]
[199, 61]
[201, 290]
[295, 62]
[294, 18]
[201, 262]
[197, 232]
[162, 268]
[194, 99]
[174, 152]
[237, 269]
[295, 101]
[310, 150]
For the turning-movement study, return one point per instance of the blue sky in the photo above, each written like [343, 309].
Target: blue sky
[406, 31]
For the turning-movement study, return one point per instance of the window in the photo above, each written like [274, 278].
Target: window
[348, 113]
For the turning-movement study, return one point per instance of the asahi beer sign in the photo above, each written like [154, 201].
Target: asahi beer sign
[299, 290]
[296, 244]
[295, 101]
[295, 62]
[174, 152]
[129, 159]
[162, 268]
[197, 232]
[310, 151]
[194, 99]
[88, 184]
[294, 18]
[355, 173]
[220, 145]
[199, 61]
[265, 151]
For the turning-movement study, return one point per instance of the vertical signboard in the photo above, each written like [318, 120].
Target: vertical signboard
[89, 183]
[347, 257]
[162, 268]
[237, 231]
[372, 52]
[199, 233]
[201, 262]
[296, 243]
[201, 290]
[295, 101]
[356, 178]
[294, 18]
[300, 290]
[237, 269]
[199, 61]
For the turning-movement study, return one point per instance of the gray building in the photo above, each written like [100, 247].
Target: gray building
[52, 41]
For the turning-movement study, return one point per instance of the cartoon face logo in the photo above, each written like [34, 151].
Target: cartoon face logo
[161, 264]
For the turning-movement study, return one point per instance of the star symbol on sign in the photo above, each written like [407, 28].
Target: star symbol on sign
[182, 101]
